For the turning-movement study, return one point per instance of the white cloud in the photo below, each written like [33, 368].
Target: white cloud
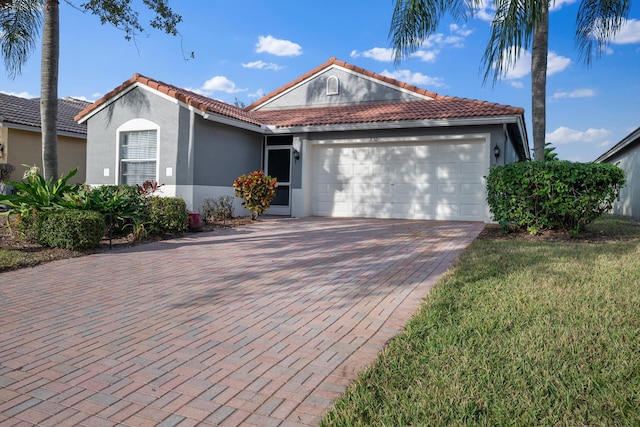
[257, 94]
[462, 31]
[429, 48]
[381, 54]
[26, 95]
[522, 67]
[578, 93]
[629, 33]
[426, 55]
[414, 78]
[517, 84]
[556, 63]
[485, 10]
[261, 65]
[84, 98]
[559, 4]
[220, 84]
[278, 47]
[565, 135]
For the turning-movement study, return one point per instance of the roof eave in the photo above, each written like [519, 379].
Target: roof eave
[626, 141]
[230, 121]
[463, 121]
[37, 129]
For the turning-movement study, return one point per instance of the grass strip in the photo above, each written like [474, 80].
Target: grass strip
[516, 333]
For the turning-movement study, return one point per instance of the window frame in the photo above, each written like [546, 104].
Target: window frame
[136, 125]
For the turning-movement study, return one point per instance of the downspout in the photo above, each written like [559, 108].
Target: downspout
[506, 140]
[190, 156]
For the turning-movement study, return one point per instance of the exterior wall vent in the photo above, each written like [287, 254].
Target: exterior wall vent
[333, 85]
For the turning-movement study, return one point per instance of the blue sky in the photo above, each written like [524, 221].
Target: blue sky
[245, 49]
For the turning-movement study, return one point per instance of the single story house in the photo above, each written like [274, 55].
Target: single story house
[626, 155]
[341, 140]
[21, 137]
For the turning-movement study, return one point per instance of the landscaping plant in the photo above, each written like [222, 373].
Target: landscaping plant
[556, 195]
[219, 209]
[70, 229]
[34, 193]
[257, 190]
[167, 214]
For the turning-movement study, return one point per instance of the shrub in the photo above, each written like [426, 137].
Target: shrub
[552, 195]
[256, 190]
[70, 228]
[167, 214]
[34, 193]
[123, 207]
[219, 209]
[28, 226]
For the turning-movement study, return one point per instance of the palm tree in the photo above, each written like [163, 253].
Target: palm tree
[517, 24]
[19, 25]
[49, 88]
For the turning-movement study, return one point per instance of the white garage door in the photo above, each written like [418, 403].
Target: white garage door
[437, 180]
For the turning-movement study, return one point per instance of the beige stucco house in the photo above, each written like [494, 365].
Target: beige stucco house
[21, 139]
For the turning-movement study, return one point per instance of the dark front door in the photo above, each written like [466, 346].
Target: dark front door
[278, 165]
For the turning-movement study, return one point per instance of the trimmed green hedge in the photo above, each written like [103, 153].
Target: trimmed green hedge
[167, 214]
[553, 194]
[69, 228]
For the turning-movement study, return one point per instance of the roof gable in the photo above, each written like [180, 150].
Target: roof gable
[630, 141]
[361, 86]
[26, 112]
[199, 102]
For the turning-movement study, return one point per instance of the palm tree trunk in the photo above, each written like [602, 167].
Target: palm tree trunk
[539, 52]
[49, 88]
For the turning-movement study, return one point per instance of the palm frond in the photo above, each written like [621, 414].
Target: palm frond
[512, 32]
[20, 22]
[596, 24]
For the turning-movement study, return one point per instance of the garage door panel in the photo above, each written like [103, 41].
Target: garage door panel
[435, 180]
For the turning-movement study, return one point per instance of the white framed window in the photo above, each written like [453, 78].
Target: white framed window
[137, 152]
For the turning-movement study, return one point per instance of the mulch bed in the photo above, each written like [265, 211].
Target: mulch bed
[10, 240]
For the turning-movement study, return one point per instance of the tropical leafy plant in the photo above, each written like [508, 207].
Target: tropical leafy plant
[34, 193]
[257, 190]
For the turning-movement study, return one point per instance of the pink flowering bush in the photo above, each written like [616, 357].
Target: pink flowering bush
[256, 190]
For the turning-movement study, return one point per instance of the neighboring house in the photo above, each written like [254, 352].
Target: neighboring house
[341, 140]
[626, 155]
[21, 137]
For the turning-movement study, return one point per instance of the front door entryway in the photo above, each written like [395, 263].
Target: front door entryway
[278, 165]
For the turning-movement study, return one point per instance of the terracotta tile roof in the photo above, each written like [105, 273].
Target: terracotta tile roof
[334, 61]
[437, 109]
[433, 107]
[195, 100]
[26, 112]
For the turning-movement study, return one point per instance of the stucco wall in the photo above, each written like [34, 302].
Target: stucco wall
[102, 138]
[628, 203]
[222, 153]
[353, 89]
[25, 147]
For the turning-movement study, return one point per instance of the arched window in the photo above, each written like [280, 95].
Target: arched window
[333, 85]
[138, 151]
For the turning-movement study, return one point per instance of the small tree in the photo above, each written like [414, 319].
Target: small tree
[257, 190]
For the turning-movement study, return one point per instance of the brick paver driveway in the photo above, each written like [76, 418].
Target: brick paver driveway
[260, 325]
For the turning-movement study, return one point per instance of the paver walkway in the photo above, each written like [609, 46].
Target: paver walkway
[260, 325]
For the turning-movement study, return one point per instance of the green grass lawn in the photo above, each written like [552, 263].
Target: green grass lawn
[516, 333]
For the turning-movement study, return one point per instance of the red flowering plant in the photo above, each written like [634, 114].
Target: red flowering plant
[257, 190]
